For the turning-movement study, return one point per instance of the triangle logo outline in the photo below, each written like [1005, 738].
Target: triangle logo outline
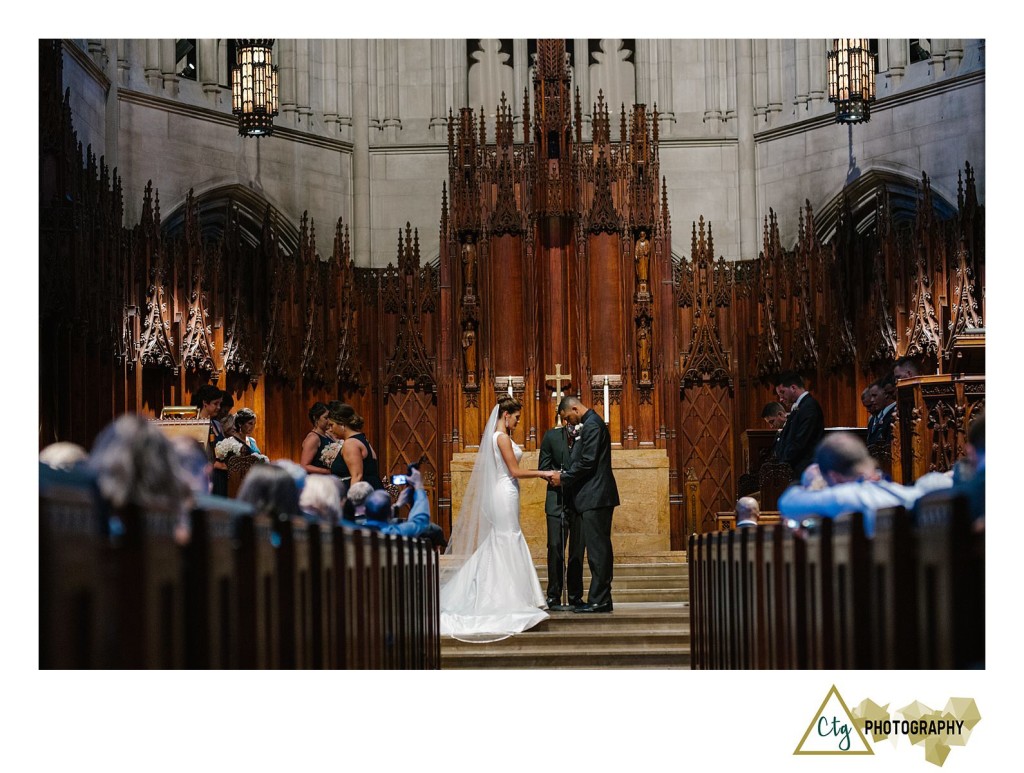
[815, 720]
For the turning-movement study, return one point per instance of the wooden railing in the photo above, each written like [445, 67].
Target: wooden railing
[224, 588]
[827, 596]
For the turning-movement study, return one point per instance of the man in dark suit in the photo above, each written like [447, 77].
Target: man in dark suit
[805, 425]
[555, 448]
[591, 496]
[883, 401]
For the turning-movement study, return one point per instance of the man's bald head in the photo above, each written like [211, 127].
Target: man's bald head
[747, 509]
[843, 457]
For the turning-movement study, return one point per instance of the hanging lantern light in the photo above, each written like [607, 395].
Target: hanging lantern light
[254, 87]
[851, 79]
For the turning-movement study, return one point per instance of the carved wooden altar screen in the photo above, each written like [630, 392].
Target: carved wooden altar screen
[555, 274]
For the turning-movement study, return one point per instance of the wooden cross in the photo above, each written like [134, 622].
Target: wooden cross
[558, 378]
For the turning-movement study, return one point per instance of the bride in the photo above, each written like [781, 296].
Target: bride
[489, 588]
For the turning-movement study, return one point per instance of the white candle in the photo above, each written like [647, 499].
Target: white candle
[510, 386]
[605, 399]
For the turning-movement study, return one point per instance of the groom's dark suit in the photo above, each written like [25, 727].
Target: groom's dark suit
[554, 455]
[591, 495]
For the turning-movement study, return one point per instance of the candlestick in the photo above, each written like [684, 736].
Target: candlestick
[510, 387]
[605, 399]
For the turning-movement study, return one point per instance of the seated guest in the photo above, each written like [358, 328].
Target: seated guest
[379, 511]
[747, 512]
[358, 457]
[195, 466]
[271, 490]
[63, 456]
[320, 499]
[845, 479]
[357, 494]
[316, 441]
[135, 465]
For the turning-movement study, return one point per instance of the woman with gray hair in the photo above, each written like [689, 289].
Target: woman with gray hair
[320, 498]
[135, 464]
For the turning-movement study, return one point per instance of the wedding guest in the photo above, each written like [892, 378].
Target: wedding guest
[135, 464]
[316, 441]
[774, 415]
[320, 499]
[905, 367]
[271, 490]
[63, 455]
[379, 511]
[195, 466]
[805, 425]
[747, 512]
[357, 494]
[358, 456]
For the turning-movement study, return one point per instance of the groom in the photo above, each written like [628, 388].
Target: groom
[590, 496]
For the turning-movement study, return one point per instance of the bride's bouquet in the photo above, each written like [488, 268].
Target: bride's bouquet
[227, 448]
[330, 453]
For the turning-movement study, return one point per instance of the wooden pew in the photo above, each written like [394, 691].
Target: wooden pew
[894, 590]
[325, 599]
[258, 593]
[771, 614]
[794, 599]
[852, 591]
[950, 584]
[694, 559]
[211, 586]
[820, 600]
[77, 622]
[295, 594]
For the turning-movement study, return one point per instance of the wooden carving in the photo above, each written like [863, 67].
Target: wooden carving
[409, 292]
[840, 345]
[965, 312]
[805, 345]
[923, 332]
[705, 360]
[603, 216]
[769, 352]
[237, 354]
[348, 367]
[197, 343]
[506, 217]
[276, 355]
[314, 359]
[156, 345]
[881, 338]
[643, 166]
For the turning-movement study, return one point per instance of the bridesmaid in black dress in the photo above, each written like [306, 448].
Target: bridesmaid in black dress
[316, 441]
[359, 460]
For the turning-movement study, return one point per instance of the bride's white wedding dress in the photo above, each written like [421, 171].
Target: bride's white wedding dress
[489, 587]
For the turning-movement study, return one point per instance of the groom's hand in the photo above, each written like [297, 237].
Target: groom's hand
[556, 478]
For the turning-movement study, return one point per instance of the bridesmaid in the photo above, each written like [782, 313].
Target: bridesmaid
[316, 441]
[359, 460]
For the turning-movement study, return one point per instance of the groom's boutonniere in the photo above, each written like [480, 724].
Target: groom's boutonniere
[572, 431]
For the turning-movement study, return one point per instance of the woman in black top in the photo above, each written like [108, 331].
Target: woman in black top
[358, 455]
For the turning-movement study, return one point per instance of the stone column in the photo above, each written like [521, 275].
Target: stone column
[345, 81]
[643, 77]
[286, 86]
[332, 84]
[372, 64]
[168, 69]
[392, 121]
[746, 125]
[360, 153]
[302, 97]
[111, 112]
[730, 79]
[954, 53]
[125, 49]
[460, 81]
[802, 54]
[438, 71]
[818, 65]
[898, 54]
[938, 59]
[712, 100]
[666, 109]
[760, 73]
[206, 58]
[774, 79]
[151, 68]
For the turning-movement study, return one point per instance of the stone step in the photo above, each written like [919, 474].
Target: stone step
[633, 570]
[569, 642]
[634, 582]
[640, 617]
[592, 656]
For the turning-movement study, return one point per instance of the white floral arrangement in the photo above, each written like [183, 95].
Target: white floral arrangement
[227, 448]
[330, 452]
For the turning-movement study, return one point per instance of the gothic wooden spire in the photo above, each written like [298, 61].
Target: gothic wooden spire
[705, 361]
